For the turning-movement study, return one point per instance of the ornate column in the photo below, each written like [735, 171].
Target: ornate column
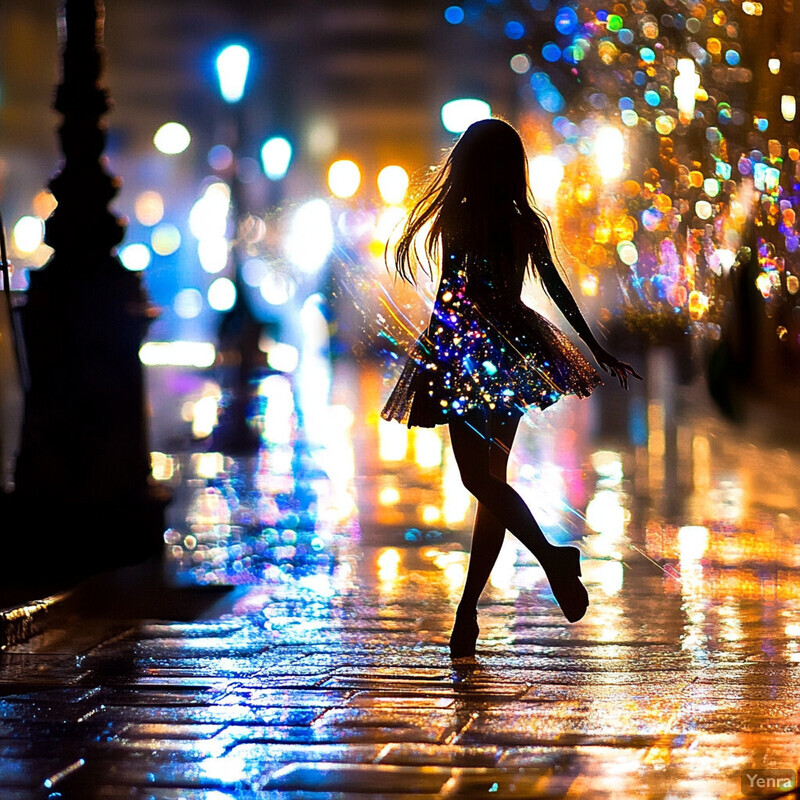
[83, 472]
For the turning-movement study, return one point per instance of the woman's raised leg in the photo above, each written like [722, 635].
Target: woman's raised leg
[561, 564]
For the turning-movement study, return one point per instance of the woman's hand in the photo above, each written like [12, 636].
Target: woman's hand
[619, 369]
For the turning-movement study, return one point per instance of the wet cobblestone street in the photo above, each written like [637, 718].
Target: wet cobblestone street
[293, 642]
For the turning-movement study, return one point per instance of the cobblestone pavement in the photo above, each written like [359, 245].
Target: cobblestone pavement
[293, 641]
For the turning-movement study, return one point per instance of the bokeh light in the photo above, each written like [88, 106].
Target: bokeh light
[172, 138]
[393, 184]
[457, 115]
[149, 208]
[310, 237]
[28, 234]
[276, 155]
[344, 178]
[232, 65]
[135, 257]
[222, 294]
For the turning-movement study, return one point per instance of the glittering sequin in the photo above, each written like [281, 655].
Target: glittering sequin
[485, 349]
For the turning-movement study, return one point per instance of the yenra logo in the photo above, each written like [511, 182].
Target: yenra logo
[756, 781]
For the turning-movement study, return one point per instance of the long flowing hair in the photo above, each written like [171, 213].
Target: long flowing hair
[481, 182]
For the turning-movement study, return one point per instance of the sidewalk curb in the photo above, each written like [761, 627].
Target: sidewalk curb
[20, 623]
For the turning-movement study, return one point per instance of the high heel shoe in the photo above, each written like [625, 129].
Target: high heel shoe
[563, 570]
[464, 636]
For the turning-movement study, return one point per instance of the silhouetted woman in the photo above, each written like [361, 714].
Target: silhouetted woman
[485, 356]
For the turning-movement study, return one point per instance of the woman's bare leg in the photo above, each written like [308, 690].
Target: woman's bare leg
[503, 509]
[488, 531]
[472, 453]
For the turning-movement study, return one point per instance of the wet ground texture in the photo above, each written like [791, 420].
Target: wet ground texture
[292, 642]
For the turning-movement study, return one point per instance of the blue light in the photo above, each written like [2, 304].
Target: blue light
[551, 52]
[539, 81]
[732, 57]
[454, 15]
[647, 55]
[551, 100]
[514, 29]
[652, 97]
[276, 155]
[539, 5]
[625, 35]
[625, 103]
[566, 20]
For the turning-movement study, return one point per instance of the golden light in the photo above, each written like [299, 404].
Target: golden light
[609, 152]
[685, 87]
[344, 178]
[427, 448]
[149, 208]
[172, 138]
[28, 234]
[392, 441]
[44, 203]
[388, 496]
[546, 173]
[393, 184]
[388, 565]
[430, 514]
[788, 107]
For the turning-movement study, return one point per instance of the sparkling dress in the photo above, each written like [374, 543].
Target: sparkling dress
[484, 349]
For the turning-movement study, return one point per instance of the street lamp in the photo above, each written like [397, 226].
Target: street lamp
[239, 330]
[233, 63]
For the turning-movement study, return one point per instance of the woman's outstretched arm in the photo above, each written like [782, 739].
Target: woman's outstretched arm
[562, 297]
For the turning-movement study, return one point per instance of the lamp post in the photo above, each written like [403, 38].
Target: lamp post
[83, 467]
[239, 330]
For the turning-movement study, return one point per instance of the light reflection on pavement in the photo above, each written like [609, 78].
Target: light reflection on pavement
[325, 672]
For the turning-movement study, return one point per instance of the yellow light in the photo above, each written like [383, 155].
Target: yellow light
[344, 178]
[388, 565]
[149, 208]
[165, 239]
[162, 466]
[208, 465]
[430, 514]
[685, 87]
[698, 304]
[204, 416]
[44, 203]
[427, 448]
[692, 542]
[788, 107]
[28, 234]
[546, 173]
[589, 285]
[393, 184]
[392, 441]
[388, 496]
[774, 65]
[172, 138]
[764, 284]
[609, 151]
